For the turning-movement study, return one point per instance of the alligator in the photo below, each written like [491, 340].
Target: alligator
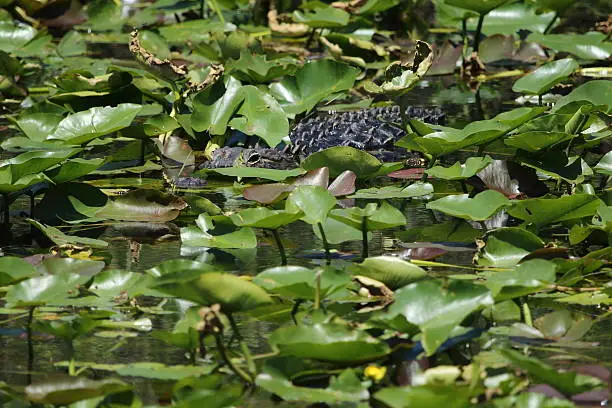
[374, 130]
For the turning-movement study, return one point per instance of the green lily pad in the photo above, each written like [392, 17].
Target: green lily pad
[193, 31]
[390, 270]
[322, 16]
[341, 158]
[544, 211]
[437, 308]
[199, 235]
[256, 172]
[589, 46]
[311, 83]
[544, 78]
[479, 6]
[331, 342]
[459, 171]
[345, 387]
[233, 293]
[263, 217]
[45, 290]
[300, 282]
[505, 247]
[389, 192]
[143, 205]
[59, 238]
[482, 207]
[255, 68]
[13, 270]
[597, 92]
[314, 202]
[526, 278]
[64, 390]
[82, 127]
[424, 395]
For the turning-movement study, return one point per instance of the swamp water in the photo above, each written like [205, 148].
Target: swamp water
[24, 362]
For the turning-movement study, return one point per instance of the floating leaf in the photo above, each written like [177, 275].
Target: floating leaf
[82, 127]
[264, 218]
[459, 171]
[200, 236]
[482, 207]
[64, 390]
[341, 158]
[507, 246]
[424, 395]
[392, 271]
[544, 78]
[13, 270]
[526, 278]
[311, 83]
[597, 92]
[589, 46]
[143, 205]
[346, 387]
[255, 68]
[479, 6]
[59, 238]
[389, 192]
[544, 211]
[322, 16]
[314, 201]
[300, 282]
[233, 293]
[437, 309]
[331, 342]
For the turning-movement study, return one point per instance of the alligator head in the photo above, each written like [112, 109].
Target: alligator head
[250, 157]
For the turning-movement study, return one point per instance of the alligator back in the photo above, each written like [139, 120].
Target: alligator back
[368, 129]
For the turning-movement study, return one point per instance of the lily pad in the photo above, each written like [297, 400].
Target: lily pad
[482, 207]
[311, 83]
[300, 282]
[331, 342]
[544, 78]
[392, 271]
[459, 171]
[438, 309]
[264, 218]
[341, 158]
[233, 293]
[544, 211]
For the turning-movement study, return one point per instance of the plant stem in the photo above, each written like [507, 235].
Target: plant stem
[280, 246]
[295, 309]
[30, 344]
[239, 372]
[478, 31]
[364, 237]
[217, 10]
[317, 300]
[465, 36]
[243, 346]
[550, 25]
[527, 314]
[5, 209]
[325, 244]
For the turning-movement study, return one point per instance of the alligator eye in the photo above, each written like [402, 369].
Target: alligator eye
[253, 158]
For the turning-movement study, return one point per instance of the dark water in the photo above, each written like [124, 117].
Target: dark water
[461, 106]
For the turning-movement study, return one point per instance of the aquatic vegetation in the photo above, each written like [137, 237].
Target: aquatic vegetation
[465, 262]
